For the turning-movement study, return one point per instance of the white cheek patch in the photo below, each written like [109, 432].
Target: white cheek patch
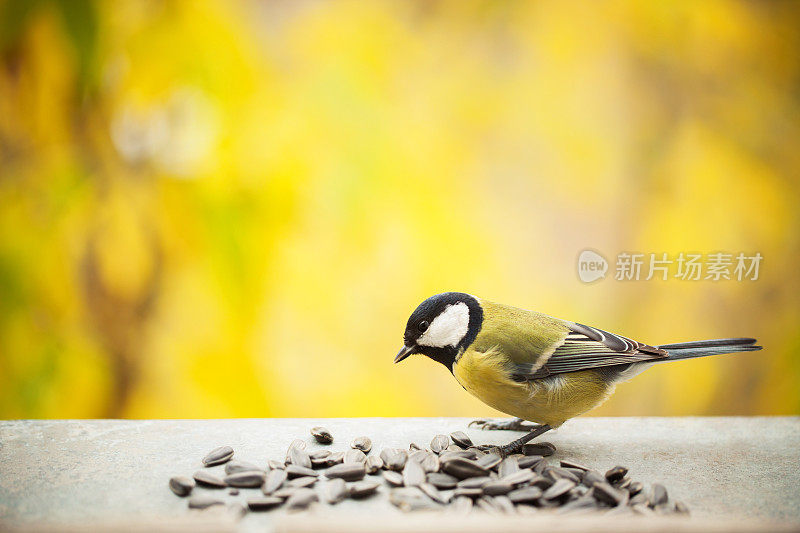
[448, 328]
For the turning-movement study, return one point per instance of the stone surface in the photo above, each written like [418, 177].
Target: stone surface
[82, 471]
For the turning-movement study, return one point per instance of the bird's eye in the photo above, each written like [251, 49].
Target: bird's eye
[423, 326]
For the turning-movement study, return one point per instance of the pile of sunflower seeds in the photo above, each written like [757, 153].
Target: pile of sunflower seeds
[450, 474]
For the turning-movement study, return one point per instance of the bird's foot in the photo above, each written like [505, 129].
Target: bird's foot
[492, 448]
[515, 446]
[505, 424]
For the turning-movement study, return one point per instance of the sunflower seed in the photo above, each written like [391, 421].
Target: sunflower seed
[409, 499]
[604, 492]
[473, 453]
[354, 456]
[461, 439]
[468, 492]
[254, 478]
[321, 435]
[474, 482]
[348, 472]
[284, 492]
[591, 477]
[619, 510]
[393, 478]
[217, 456]
[462, 505]
[477, 453]
[658, 494]
[558, 489]
[433, 493]
[335, 458]
[394, 459]
[464, 468]
[486, 504]
[301, 499]
[362, 443]
[293, 471]
[681, 508]
[616, 474]
[362, 489]
[320, 454]
[207, 479]
[181, 485]
[545, 449]
[572, 464]
[319, 463]
[429, 461]
[662, 509]
[504, 504]
[640, 498]
[497, 488]
[442, 481]
[581, 505]
[448, 455]
[542, 482]
[301, 482]
[529, 461]
[373, 464]
[642, 509]
[203, 502]
[414, 446]
[635, 488]
[521, 477]
[579, 491]
[526, 509]
[275, 479]
[556, 473]
[525, 495]
[417, 455]
[335, 490]
[236, 510]
[440, 443]
[508, 466]
[275, 465]
[233, 467]
[299, 457]
[413, 474]
[490, 460]
[300, 444]
[263, 503]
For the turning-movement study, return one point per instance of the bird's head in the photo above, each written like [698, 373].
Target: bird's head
[441, 326]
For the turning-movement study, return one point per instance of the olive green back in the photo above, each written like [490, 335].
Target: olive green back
[523, 336]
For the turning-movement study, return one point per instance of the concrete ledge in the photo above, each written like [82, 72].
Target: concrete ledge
[70, 474]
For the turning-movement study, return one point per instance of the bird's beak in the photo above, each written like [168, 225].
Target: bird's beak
[404, 352]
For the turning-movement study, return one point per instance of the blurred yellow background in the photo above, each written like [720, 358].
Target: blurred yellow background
[229, 209]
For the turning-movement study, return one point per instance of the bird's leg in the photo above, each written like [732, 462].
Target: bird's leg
[516, 445]
[507, 424]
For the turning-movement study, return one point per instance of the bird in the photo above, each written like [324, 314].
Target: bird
[539, 369]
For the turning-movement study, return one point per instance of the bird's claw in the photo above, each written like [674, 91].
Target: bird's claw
[493, 448]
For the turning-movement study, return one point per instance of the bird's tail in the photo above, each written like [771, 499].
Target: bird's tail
[688, 350]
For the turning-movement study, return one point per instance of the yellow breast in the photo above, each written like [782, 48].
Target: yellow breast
[553, 400]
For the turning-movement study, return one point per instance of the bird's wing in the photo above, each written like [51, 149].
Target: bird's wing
[585, 347]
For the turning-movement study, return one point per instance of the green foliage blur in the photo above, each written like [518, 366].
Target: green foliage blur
[229, 209]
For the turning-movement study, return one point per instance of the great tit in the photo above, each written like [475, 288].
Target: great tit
[532, 366]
